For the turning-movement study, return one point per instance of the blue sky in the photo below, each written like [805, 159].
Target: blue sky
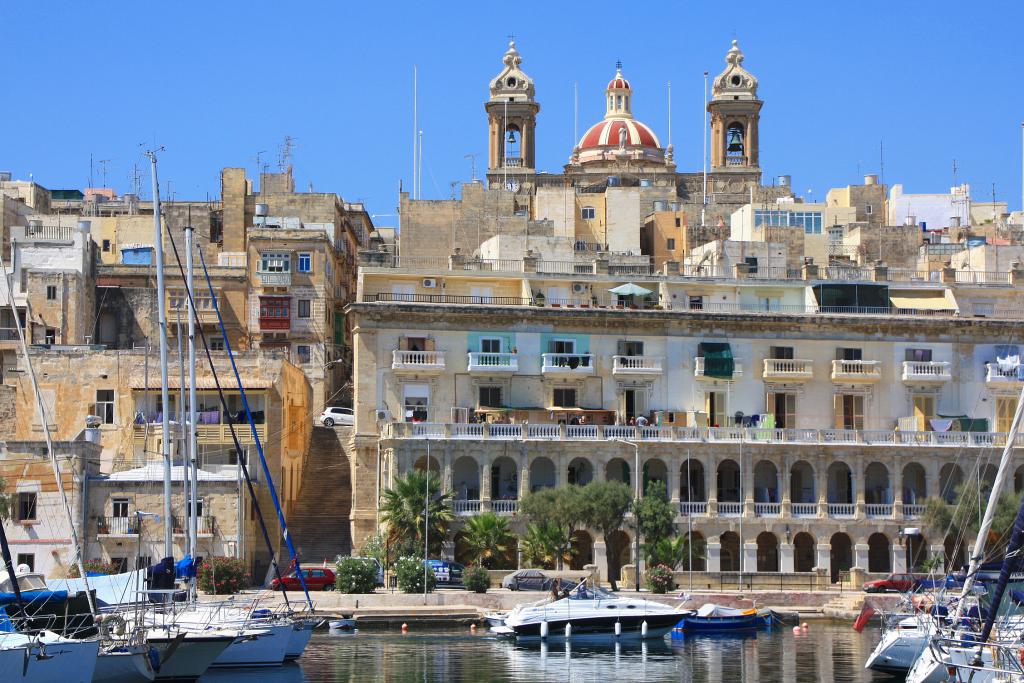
[218, 82]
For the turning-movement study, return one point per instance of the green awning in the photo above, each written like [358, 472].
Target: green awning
[718, 361]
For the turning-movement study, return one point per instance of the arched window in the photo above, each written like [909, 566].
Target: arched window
[513, 141]
[734, 140]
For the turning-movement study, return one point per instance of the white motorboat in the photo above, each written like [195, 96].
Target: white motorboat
[496, 618]
[186, 655]
[124, 664]
[46, 658]
[590, 613]
[900, 646]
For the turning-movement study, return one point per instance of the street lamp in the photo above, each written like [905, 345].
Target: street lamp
[636, 497]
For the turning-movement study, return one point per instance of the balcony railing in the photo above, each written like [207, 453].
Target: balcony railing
[730, 509]
[568, 363]
[275, 279]
[767, 509]
[912, 511]
[1003, 375]
[936, 371]
[792, 369]
[513, 162]
[205, 433]
[118, 526]
[752, 435]
[803, 509]
[693, 509]
[878, 510]
[505, 507]
[417, 360]
[636, 365]
[842, 510]
[275, 323]
[493, 362]
[856, 370]
[466, 507]
[204, 525]
[698, 369]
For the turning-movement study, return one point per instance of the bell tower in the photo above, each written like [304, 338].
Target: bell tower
[512, 122]
[734, 110]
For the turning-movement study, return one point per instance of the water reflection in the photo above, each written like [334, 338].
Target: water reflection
[826, 652]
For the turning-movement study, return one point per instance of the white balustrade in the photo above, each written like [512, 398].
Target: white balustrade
[493, 362]
[505, 507]
[690, 509]
[791, 369]
[466, 507]
[912, 511]
[730, 509]
[878, 510]
[803, 509]
[568, 363]
[636, 365]
[856, 370]
[842, 509]
[767, 509]
[417, 360]
[926, 371]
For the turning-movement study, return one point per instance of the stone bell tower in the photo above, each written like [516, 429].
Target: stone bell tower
[734, 110]
[512, 123]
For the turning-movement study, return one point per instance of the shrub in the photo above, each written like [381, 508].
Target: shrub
[659, 578]
[476, 579]
[355, 575]
[94, 567]
[222, 575]
[409, 571]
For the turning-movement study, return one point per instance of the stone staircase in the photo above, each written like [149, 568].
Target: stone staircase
[319, 523]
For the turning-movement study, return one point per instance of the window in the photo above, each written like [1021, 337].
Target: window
[751, 262]
[867, 209]
[119, 507]
[51, 292]
[588, 213]
[27, 559]
[780, 352]
[303, 352]
[217, 343]
[846, 353]
[50, 336]
[810, 221]
[490, 397]
[564, 398]
[275, 263]
[104, 407]
[416, 402]
[715, 405]
[303, 308]
[670, 243]
[679, 223]
[783, 406]
[490, 345]
[849, 411]
[918, 355]
[631, 348]
[120, 564]
[562, 346]
[26, 506]
[1005, 407]
[696, 303]
[275, 307]
[305, 264]
[106, 245]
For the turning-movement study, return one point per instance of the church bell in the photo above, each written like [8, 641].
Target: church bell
[735, 141]
[511, 136]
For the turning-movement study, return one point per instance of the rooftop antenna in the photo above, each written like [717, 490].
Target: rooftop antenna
[704, 125]
[103, 169]
[419, 162]
[452, 184]
[284, 160]
[90, 169]
[415, 136]
[472, 165]
[259, 158]
[881, 163]
[670, 113]
[576, 113]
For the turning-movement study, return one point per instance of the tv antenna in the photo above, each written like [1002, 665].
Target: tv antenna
[284, 159]
[103, 169]
[472, 165]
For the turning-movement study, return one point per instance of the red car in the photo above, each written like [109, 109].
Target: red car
[894, 583]
[316, 580]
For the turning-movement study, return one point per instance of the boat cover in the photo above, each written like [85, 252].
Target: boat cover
[712, 610]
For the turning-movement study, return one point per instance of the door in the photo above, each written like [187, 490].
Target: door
[783, 406]
[714, 404]
[849, 411]
[635, 402]
[481, 295]
[416, 402]
[924, 411]
[1005, 407]
[631, 348]
[403, 292]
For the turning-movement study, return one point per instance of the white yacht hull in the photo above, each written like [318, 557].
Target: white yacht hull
[263, 646]
[929, 668]
[191, 657]
[63, 661]
[124, 665]
[897, 651]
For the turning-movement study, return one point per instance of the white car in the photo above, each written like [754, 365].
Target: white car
[337, 416]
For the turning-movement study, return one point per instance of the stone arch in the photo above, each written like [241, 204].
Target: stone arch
[767, 552]
[542, 474]
[730, 551]
[618, 469]
[802, 487]
[691, 482]
[803, 552]
[950, 477]
[987, 475]
[580, 472]
[618, 550]
[918, 552]
[655, 471]
[840, 555]
[466, 478]
[766, 482]
[582, 550]
[421, 465]
[877, 490]
[915, 484]
[1018, 480]
[698, 553]
[840, 483]
[879, 553]
[504, 479]
[954, 551]
[728, 481]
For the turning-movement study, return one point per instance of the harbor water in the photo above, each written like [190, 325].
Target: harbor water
[826, 652]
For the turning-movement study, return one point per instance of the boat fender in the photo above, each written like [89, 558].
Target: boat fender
[618, 629]
[544, 629]
[643, 629]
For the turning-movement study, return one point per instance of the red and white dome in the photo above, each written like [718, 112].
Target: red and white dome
[607, 133]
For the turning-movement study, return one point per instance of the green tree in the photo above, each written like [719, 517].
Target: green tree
[6, 501]
[654, 514]
[605, 506]
[488, 539]
[403, 508]
[562, 509]
[675, 553]
[964, 514]
[541, 545]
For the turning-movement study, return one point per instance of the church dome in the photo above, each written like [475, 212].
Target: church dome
[607, 134]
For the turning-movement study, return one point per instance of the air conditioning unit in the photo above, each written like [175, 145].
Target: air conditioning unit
[579, 288]
[429, 282]
[383, 416]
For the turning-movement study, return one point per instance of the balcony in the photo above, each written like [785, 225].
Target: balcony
[780, 370]
[117, 527]
[926, 372]
[693, 509]
[205, 433]
[698, 370]
[878, 511]
[204, 526]
[856, 371]
[505, 507]
[912, 511]
[730, 509]
[1007, 377]
[275, 323]
[490, 363]
[767, 509]
[418, 361]
[803, 509]
[842, 510]
[570, 364]
[466, 508]
[633, 366]
[275, 279]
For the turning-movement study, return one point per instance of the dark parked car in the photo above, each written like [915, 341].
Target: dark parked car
[446, 573]
[316, 580]
[894, 583]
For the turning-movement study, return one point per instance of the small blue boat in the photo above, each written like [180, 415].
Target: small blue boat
[717, 619]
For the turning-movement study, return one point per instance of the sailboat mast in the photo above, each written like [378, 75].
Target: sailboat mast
[165, 400]
[193, 446]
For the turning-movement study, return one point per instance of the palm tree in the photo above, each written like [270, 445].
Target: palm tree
[488, 539]
[403, 510]
[542, 544]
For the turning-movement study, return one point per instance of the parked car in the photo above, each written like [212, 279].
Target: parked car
[539, 580]
[317, 579]
[334, 415]
[380, 569]
[894, 583]
[446, 573]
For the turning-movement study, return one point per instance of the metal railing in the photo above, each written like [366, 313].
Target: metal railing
[982, 277]
[118, 526]
[511, 265]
